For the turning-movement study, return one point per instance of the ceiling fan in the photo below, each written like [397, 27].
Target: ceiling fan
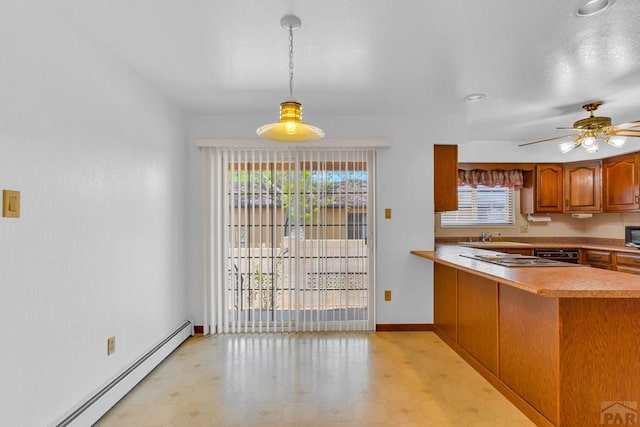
[594, 129]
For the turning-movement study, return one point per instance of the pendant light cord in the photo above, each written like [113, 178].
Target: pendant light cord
[291, 63]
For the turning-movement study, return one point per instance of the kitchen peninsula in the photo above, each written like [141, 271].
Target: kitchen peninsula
[562, 343]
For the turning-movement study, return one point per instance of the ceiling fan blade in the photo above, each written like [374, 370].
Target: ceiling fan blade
[545, 140]
[627, 132]
[570, 128]
[627, 125]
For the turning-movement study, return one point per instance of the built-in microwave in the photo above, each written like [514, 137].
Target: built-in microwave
[632, 235]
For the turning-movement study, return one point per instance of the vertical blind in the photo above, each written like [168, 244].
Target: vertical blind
[291, 240]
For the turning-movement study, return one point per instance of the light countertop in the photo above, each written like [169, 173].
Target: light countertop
[565, 282]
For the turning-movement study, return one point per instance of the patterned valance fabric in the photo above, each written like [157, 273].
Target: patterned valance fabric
[491, 178]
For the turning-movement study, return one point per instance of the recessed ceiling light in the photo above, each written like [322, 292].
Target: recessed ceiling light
[475, 97]
[592, 7]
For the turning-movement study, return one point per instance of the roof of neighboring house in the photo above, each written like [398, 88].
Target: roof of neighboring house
[352, 193]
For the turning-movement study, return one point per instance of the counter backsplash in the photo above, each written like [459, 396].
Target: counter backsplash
[576, 240]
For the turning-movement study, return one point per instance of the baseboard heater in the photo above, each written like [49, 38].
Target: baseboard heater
[90, 410]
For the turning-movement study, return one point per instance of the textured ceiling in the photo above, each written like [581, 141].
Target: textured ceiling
[537, 61]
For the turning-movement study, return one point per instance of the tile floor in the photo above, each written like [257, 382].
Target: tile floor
[314, 379]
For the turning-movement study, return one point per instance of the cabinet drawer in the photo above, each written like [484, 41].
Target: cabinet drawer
[598, 256]
[602, 265]
[628, 259]
[628, 269]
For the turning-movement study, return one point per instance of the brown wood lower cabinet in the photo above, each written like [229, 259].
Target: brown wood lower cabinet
[478, 318]
[628, 263]
[529, 348]
[599, 360]
[598, 259]
[445, 291]
[561, 361]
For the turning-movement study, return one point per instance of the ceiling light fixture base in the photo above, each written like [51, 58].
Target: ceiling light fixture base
[290, 22]
[588, 8]
[475, 97]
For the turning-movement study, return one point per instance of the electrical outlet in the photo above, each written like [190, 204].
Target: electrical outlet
[111, 345]
[524, 228]
[387, 295]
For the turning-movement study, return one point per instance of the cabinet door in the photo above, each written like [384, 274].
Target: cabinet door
[478, 318]
[582, 187]
[445, 300]
[549, 188]
[445, 178]
[620, 183]
[529, 348]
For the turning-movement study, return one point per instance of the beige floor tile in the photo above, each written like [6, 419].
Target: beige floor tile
[370, 412]
[406, 379]
[304, 412]
[261, 413]
[335, 412]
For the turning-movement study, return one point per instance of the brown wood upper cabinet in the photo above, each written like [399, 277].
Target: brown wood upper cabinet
[582, 186]
[620, 183]
[445, 178]
[548, 188]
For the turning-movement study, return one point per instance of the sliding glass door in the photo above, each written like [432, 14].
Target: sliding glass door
[294, 249]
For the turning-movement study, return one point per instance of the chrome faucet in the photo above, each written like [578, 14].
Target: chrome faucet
[486, 237]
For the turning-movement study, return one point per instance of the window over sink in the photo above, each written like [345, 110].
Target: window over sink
[481, 206]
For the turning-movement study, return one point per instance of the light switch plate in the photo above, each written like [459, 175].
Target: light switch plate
[10, 204]
[111, 345]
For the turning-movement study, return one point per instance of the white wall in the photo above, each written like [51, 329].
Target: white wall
[404, 184]
[99, 158]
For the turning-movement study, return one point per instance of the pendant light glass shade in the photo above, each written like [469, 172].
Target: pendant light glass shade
[290, 128]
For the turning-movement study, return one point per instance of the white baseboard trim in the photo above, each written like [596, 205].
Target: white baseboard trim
[98, 403]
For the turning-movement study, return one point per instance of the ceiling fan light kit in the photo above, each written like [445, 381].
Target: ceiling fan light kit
[565, 147]
[616, 141]
[290, 128]
[595, 130]
[592, 148]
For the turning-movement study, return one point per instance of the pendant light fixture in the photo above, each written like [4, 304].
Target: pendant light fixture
[290, 128]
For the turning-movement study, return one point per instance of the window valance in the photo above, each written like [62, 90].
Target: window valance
[491, 178]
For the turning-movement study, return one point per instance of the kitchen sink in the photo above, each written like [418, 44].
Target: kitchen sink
[515, 260]
[496, 244]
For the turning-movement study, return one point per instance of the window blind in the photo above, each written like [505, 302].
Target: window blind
[481, 206]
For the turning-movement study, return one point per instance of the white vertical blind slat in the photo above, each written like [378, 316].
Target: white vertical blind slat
[221, 247]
